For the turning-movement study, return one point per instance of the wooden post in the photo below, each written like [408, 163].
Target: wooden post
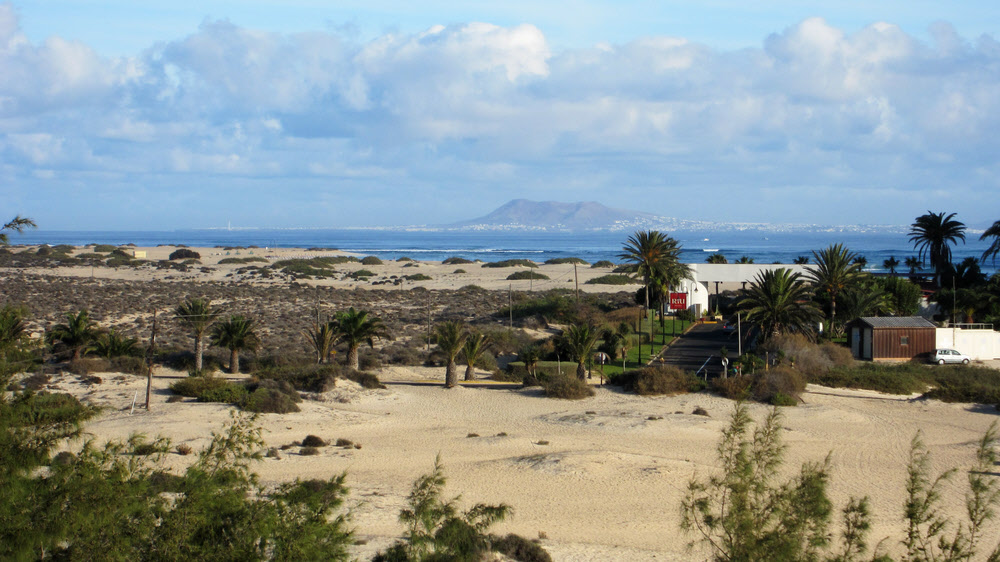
[576, 279]
[510, 304]
[149, 363]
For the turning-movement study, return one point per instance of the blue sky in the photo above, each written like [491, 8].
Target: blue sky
[161, 115]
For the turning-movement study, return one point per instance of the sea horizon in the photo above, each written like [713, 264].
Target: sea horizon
[764, 247]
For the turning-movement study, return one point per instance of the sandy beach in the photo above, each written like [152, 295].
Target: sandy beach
[596, 479]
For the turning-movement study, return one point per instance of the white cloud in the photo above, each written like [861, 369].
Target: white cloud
[492, 107]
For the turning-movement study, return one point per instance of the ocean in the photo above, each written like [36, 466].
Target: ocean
[761, 246]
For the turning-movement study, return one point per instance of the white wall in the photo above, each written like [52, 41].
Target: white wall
[978, 344]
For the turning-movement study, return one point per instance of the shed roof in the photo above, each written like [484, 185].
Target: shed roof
[896, 322]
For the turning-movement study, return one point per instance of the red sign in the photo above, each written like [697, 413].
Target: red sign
[678, 301]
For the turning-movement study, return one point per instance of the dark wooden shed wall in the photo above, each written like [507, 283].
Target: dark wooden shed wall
[886, 342]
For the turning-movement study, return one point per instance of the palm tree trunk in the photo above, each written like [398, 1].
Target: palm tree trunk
[199, 350]
[451, 374]
[77, 352]
[352, 357]
[581, 371]
[470, 372]
[234, 361]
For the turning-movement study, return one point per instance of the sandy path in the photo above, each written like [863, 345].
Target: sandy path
[606, 486]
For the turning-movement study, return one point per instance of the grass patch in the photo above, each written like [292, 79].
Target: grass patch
[511, 263]
[523, 275]
[612, 279]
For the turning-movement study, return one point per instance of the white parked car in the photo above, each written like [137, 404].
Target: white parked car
[942, 356]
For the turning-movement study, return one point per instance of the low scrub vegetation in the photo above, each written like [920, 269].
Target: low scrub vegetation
[567, 387]
[526, 275]
[252, 259]
[612, 279]
[456, 261]
[657, 380]
[561, 261]
[511, 263]
[602, 263]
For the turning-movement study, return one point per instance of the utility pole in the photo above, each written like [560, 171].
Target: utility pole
[149, 363]
[576, 279]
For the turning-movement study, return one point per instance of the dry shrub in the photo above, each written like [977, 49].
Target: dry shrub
[193, 387]
[269, 401]
[346, 443]
[734, 388]
[313, 441]
[519, 548]
[308, 451]
[184, 449]
[129, 365]
[567, 388]
[811, 359]
[659, 380]
[35, 382]
[777, 385]
[87, 365]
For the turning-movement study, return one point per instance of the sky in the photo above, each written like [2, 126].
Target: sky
[155, 115]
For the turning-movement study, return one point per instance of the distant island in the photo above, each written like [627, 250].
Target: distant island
[526, 215]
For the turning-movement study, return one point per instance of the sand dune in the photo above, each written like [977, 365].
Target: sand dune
[600, 478]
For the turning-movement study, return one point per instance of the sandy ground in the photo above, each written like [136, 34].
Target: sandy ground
[598, 477]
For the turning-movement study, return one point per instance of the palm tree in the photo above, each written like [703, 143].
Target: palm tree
[450, 338]
[356, 328]
[197, 315]
[801, 260]
[913, 263]
[579, 341]
[745, 260]
[236, 333]
[891, 264]
[836, 269]
[113, 344]
[530, 355]
[18, 224]
[649, 252]
[994, 249]
[716, 258]
[861, 261]
[933, 234]
[12, 327]
[779, 301]
[472, 350]
[322, 337]
[78, 333]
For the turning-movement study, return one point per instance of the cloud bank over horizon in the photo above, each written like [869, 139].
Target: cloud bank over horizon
[319, 129]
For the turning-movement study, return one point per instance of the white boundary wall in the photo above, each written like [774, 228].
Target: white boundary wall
[977, 344]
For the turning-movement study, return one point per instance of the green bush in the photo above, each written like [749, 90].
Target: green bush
[613, 279]
[561, 261]
[656, 380]
[366, 380]
[193, 387]
[456, 261]
[734, 388]
[520, 549]
[417, 277]
[777, 380]
[104, 248]
[403, 259]
[184, 254]
[314, 441]
[511, 263]
[230, 393]
[361, 274]
[371, 260]
[131, 365]
[269, 401]
[523, 275]
[602, 263]
[566, 387]
[312, 378]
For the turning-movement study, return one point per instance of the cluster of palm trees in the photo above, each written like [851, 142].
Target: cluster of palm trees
[454, 339]
[780, 301]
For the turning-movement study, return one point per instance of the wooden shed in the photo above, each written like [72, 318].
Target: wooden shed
[891, 338]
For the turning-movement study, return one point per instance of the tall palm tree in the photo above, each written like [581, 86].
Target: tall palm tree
[475, 344]
[861, 261]
[933, 234]
[78, 333]
[18, 224]
[450, 338]
[716, 258]
[913, 263]
[236, 333]
[322, 337]
[891, 264]
[530, 355]
[994, 249]
[197, 315]
[356, 327]
[779, 301]
[647, 253]
[579, 341]
[836, 270]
